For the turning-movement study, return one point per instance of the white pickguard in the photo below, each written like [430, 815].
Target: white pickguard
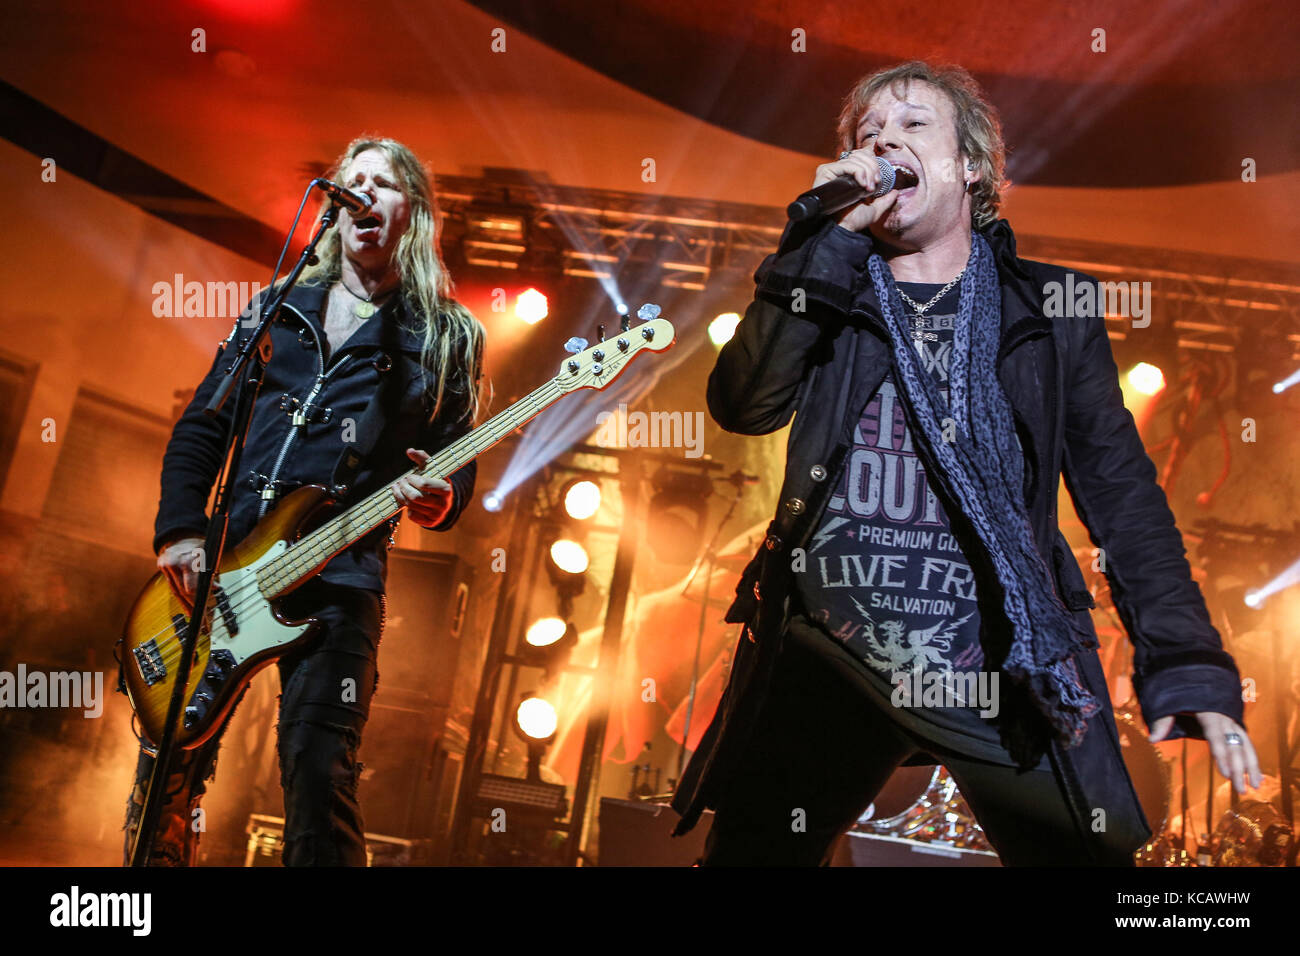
[258, 628]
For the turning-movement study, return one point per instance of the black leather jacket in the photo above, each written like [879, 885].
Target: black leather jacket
[327, 391]
[825, 360]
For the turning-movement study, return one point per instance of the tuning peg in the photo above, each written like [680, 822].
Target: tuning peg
[575, 345]
[648, 312]
[600, 333]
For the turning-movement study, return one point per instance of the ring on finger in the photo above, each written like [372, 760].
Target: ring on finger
[1232, 739]
[846, 154]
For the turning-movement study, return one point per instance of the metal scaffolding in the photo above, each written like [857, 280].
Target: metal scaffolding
[514, 219]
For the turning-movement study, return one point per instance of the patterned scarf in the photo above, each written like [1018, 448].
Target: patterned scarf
[982, 471]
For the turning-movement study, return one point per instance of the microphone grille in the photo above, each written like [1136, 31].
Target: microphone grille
[886, 178]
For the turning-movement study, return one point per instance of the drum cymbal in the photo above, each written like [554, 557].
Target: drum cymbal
[1147, 770]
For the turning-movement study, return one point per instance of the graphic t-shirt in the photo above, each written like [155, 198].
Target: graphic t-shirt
[886, 580]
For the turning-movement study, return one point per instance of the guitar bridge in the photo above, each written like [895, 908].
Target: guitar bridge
[149, 661]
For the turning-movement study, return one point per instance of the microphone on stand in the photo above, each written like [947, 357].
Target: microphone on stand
[356, 203]
[843, 191]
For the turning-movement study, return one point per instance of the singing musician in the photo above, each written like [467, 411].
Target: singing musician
[914, 601]
[370, 335]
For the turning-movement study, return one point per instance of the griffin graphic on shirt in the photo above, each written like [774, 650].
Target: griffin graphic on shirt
[908, 651]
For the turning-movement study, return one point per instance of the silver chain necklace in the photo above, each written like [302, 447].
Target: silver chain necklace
[919, 333]
[920, 309]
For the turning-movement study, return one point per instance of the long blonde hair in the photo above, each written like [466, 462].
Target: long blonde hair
[979, 131]
[453, 339]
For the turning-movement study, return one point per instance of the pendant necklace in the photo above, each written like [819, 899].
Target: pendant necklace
[365, 306]
[919, 334]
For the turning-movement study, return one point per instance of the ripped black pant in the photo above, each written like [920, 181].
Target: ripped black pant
[326, 688]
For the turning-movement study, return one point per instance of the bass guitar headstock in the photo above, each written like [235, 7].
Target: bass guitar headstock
[598, 365]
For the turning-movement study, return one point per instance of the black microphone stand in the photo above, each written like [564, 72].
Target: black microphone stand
[709, 558]
[254, 356]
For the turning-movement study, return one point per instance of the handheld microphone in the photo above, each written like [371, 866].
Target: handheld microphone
[843, 191]
[356, 203]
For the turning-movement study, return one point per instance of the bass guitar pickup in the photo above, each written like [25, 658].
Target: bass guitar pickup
[225, 610]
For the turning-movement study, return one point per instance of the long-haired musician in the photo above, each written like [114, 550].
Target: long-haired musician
[371, 339]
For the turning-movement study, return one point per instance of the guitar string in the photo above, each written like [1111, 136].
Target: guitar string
[318, 551]
[247, 594]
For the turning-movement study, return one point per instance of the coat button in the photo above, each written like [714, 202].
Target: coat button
[818, 473]
[772, 542]
[795, 506]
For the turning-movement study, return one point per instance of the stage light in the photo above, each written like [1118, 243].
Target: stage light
[548, 643]
[1146, 378]
[723, 328]
[1289, 577]
[535, 719]
[582, 499]
[493, 501]
[531, 306]
[621, 308]
[684, 275]
[535, 722]
[545, 631]
[492, 255]
[1282, 386]
[569, 556]
[567, 567]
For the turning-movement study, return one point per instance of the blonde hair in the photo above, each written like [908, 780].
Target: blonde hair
[453, 339]
[979, 131]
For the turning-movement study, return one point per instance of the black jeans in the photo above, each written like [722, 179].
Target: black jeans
[326, 689]
[820, 753]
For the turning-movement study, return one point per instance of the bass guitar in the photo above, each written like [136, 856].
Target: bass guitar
[242, 629]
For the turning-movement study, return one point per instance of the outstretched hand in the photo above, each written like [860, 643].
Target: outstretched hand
[1235, 761]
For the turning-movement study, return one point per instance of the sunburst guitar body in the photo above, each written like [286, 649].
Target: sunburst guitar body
[241, 633]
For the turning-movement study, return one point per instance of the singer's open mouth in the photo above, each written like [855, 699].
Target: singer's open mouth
[370, 222]
[905, 169]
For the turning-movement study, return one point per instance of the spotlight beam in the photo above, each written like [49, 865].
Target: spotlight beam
[1287, 382]
[1280, 583]
[560, 427]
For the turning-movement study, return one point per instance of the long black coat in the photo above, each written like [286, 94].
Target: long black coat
[813, 340]
[337, 389]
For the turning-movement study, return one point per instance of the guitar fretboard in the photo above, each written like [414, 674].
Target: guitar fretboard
[306, 557]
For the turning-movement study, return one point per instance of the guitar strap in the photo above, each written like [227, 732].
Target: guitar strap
[375, 417]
